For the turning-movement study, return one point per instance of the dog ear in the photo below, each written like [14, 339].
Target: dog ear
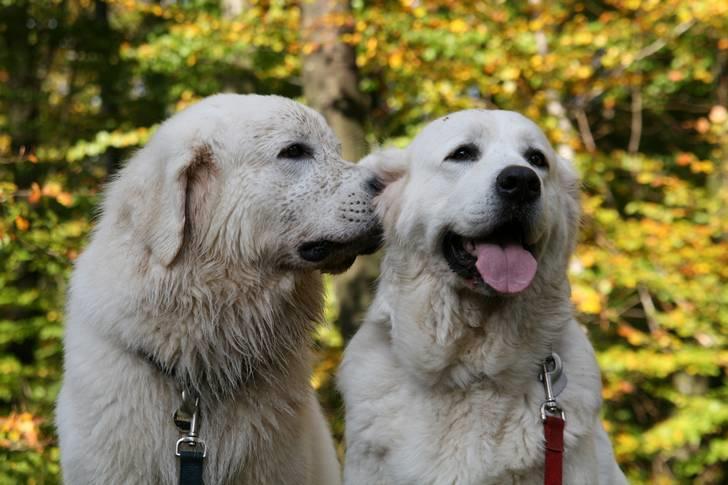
[179, 191]
[390, 166]
[572, 184]
[570, 178]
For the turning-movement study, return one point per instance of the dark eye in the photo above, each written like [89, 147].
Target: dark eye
[536, 158]
[464, 153]
[296, 151]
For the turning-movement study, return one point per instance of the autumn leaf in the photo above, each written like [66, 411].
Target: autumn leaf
[22, 223]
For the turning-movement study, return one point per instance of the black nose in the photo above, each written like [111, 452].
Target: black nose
[518, 184]
[374, 185]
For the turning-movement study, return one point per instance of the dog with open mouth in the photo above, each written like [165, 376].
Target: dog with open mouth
[445, 381]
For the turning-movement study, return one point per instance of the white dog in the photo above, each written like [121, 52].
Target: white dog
[441, 383]
[202, 275]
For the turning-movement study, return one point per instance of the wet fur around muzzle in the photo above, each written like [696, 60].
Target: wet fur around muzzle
[440, 383]
[195, 264]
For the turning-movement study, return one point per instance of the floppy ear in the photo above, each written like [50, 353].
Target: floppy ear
[179, 190]
[390, 166]
[571, 182]
[570, 178]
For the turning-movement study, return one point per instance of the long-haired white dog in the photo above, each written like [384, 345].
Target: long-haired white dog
[441, 383]
[202, 274]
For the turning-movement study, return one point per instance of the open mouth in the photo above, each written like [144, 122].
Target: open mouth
[336, 256]
[501, 259]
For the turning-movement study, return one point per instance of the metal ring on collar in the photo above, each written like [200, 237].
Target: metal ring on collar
[557, 368]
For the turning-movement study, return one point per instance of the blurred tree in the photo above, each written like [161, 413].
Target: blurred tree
[635, 90]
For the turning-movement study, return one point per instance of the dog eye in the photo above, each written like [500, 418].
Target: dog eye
[296, 151]
[536, 158]
[464, 153]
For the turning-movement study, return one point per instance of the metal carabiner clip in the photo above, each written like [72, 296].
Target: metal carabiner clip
[186, 419]
[550, 406]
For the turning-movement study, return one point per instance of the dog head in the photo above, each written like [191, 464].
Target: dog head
[482, 195]
[252, 179]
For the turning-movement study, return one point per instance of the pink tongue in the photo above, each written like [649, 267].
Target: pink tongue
[507, 269]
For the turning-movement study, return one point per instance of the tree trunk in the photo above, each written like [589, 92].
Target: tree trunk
[331, 86]
[23, 81]
[111, 91]
[330, 78]
[233, 8]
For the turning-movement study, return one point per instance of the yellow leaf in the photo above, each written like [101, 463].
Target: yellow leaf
[458, 26]
[395, 60]
[308, 48]
[22, 223]
[35, 193]
[586, 299]
[632, 335]
[535, 25]
[52, 189]
[65, 199]
[583, 72]
[718, 114]
[510, 73]
[583, 38]
[372, 46]
[675, 75]
[5, 143]
[702, 125]
[705, 166]
[684, 159]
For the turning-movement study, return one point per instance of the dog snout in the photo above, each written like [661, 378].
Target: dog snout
[518, 184]
[374, 185]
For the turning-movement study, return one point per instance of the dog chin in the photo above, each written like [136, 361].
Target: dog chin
[477, 285]
[334, 257]
[339, 266]
[330, 266]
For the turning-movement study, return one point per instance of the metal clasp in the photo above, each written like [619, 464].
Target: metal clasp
[193, 443]
[183, 416]
[186, 419]
[551, 369]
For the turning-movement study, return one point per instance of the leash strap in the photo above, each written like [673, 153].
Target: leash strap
[190, 449]
[554, 421]
[553, 432]
[190, 467]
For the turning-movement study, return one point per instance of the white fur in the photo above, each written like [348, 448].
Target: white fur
[195, 262]
[440, 383]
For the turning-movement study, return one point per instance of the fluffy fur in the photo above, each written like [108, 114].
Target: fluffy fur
[440, 383]
[197, 263]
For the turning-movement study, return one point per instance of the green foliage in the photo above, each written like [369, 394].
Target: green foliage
[634, 91]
